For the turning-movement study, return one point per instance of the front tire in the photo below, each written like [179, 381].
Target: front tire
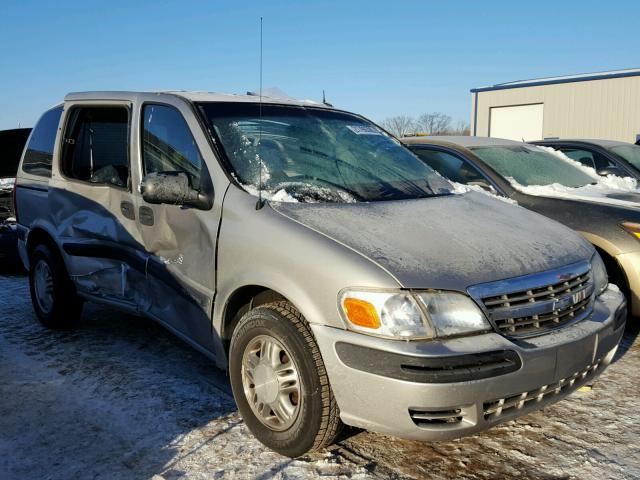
[280, 382]
[53, 295]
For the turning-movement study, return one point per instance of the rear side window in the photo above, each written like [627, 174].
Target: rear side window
[167, 143]
[39, 154]
[587, 158]
[96, 145]
[450, 166]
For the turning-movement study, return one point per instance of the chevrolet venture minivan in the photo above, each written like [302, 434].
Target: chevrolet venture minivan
[337, 277]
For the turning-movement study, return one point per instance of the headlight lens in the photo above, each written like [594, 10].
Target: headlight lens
[453, 313]
[388, 314]
[400, 314]
[599, 272]
[632, 228]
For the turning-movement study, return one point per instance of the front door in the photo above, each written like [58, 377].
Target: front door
[180, 240]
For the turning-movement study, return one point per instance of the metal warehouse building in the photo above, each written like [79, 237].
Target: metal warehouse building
[596, 105]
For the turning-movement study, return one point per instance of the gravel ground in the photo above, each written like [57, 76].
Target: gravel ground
[121, 398]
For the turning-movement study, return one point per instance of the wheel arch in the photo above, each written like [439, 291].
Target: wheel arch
[241, 301]
[40, 235]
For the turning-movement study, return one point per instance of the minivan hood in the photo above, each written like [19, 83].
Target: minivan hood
[448, 242]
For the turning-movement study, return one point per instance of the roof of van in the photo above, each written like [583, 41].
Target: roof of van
[192, 96]
[463, 141]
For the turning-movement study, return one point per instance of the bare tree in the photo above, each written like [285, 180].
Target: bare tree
[461, 128]
[400, 126]
[434, 123]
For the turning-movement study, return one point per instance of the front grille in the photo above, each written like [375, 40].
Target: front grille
[536, 303]
[504, 406]
[535, 322]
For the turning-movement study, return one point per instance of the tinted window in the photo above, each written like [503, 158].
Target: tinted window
[450, 166]
[631, 153]
[167, 143]
[96, 145]
[315, 154]
[587, 158]
[39, 154]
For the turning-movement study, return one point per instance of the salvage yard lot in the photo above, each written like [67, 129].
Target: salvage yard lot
[121, 398]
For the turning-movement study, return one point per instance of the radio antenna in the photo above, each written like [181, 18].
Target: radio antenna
[260, 203]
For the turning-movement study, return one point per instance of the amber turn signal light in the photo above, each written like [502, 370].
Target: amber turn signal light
[361, 313]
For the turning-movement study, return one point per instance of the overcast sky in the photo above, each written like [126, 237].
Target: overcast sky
[377, 58]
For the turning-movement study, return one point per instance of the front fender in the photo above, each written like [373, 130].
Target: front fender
[264, 248]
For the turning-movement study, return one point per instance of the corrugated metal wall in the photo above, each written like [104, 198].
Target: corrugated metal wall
[607, 108]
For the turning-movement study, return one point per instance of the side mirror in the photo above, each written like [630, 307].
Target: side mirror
[611, 170]
[173, 188]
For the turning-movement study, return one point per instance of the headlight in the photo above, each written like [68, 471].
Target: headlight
[632, 228]
[400, 314]
[453, 313]
[599, 272]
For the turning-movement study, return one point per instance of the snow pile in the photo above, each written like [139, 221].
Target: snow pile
[612, 182]
[302, 193]
[6, 184]
[462, 188]
[599, 191]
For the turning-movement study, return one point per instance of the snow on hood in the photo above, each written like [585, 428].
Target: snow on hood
[447, 242]
[609, 189]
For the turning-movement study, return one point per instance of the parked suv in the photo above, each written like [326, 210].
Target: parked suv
[337, 276]
[607, 157]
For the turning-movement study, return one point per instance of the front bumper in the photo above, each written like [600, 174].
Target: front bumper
[425, 407]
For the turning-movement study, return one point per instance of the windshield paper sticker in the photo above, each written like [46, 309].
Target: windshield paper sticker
[364, 129]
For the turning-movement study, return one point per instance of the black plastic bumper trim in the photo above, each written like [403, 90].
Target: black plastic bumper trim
[445, 369]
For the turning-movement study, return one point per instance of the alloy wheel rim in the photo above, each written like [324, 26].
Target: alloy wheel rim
[271, 382]
[43, 285]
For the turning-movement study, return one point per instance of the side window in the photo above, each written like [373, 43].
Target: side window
[587, 158]
[96, 145]
[167, 143]
[450, 166]
[39, 154]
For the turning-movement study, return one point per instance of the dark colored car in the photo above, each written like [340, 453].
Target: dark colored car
[12, 143]
[611, 223]
[607, 157]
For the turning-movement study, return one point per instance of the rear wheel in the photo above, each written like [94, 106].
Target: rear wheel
[280, 383]
[53, 295]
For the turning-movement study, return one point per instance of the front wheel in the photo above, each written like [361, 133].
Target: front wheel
[280, 383]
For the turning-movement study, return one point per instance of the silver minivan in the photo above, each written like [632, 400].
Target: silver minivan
[337, 277]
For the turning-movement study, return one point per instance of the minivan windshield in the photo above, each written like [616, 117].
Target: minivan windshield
[310, 154]
[631, 153]
[529, 165]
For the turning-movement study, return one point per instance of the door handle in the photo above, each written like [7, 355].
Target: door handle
[127, 210]
[146, 215]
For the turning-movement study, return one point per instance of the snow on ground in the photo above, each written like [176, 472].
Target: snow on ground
[121, 398]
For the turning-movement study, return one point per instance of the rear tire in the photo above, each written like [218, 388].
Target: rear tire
[275, 366]
[53, 295]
